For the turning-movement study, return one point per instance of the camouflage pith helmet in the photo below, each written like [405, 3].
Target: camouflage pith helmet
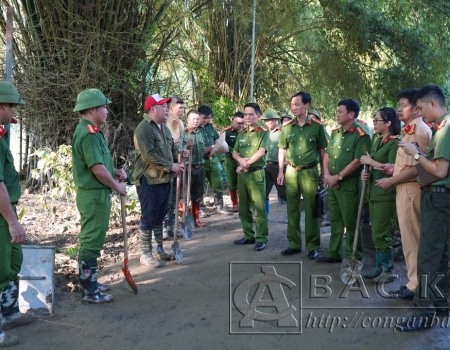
[9, 94]
[90, 98]
[270, 114]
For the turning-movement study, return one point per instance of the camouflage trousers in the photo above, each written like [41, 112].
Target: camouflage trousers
[10, 299]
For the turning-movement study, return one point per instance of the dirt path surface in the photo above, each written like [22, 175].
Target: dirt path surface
[192, 306]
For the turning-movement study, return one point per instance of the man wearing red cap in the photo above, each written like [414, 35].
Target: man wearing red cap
[156, 162]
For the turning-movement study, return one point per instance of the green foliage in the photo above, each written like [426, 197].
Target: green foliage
[72, 252]
[223, 110]
[22, 213]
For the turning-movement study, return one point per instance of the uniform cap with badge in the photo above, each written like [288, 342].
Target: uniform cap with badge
[90, 98]
[9, 94]
[270, 114]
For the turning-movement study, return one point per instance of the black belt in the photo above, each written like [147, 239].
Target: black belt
[271, 162]
[438, 189]
[303, 167]
[252, 169]
[196, 166]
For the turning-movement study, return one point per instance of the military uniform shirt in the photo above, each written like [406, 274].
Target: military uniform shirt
[346, 146]
[89, 149]
[8, 173]
[198, 147]
[210, 135]
[440, 145]
[303, 142]
[384, 150]
[230, 138]
[272, 147]
[250, 141]
[155, 152]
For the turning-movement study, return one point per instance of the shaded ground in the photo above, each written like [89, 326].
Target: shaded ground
[191, 306]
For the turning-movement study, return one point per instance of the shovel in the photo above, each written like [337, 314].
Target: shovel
[176, 246]
[351, 268]
[125, 269]
[187, 226]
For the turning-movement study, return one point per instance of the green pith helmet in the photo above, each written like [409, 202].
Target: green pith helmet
[9, 94]
[270, 114]
[90, 98]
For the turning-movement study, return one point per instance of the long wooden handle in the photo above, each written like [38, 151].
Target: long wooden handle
[360, 208]
[124, 227]
[177, 204]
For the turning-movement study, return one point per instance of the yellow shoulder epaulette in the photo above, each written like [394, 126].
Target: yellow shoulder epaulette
[360, 131]
[317, 121]
[263, 128]
[289, 122]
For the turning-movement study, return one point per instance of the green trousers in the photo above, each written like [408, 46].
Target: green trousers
[230, 169]
[382, 217]
[343, 205]
[252, 193]
[94, 207]
[213, 174]
[11, 256]
[298, 183]
[433, 256]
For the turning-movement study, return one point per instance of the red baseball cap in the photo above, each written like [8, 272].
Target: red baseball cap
[154, 100]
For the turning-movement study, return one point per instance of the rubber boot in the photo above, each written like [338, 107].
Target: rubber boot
[202, 214]
[387, 261]
[377, 270]
[147, 259]
[7, 339]
[162, 255]
[234, 200]
[219, 204]
[195, 213]
[165, 228]
[88, 280]
[267, 208]
[11, 315]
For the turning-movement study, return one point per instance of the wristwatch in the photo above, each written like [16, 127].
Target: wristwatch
[340, 177]
[417, 156]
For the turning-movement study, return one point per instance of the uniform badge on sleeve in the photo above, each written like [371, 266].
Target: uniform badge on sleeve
[93, 129]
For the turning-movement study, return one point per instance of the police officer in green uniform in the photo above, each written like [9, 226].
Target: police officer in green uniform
[302, 144]
[12, 232]
[431, 297]
[192, 136]
[93, 174]
[342, 169]
[382, 202]
[249, 152]
[211, 166]
[271, 119]
[231, 165]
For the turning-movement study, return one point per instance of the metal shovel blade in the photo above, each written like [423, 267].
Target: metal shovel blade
[177, 252]
[129, 278]
[350, 270]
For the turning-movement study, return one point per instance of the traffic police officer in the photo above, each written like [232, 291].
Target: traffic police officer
[231, 165]
[93, 174]
[342, 169]
[431, 297]
[249, 152]
[12, 232]
[271, 119]
[302, 144]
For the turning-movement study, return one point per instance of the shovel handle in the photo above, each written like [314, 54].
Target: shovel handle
[124, 227]
[177, 204]
[358, 218]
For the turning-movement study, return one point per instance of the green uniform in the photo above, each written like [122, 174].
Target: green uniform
[212, 171]
[252, 184]
[93, 198]
[382, 202]
[272, 165]
[230, 164]
[10, 254]
[433, 256]
[343, 148]
[302, 145]
[197, 169]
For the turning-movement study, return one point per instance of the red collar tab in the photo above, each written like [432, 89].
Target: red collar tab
[440, 125]
[2, 132]
[386, 139]
[93, 129]
[410, 129]
[351, 130]
[14, 121]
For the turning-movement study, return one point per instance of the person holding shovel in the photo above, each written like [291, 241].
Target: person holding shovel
[386, 125]
[95, 177]
[342, 168]
[192, 136]
[12, 233]
[156, 163]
